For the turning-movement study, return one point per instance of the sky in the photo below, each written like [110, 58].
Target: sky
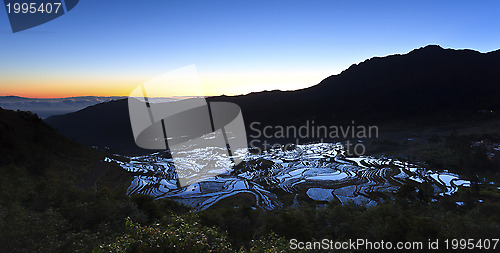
[107, 48]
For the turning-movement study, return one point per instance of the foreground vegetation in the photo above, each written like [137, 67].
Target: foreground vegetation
[407, 219]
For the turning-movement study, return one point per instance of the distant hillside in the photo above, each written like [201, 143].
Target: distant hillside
[45, 107]
[106, 124]
[427, 86]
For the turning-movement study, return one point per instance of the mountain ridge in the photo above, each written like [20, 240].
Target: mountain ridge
[426, 86]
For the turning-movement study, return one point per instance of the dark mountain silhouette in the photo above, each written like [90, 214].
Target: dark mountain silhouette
[429, 81]
[427, 86]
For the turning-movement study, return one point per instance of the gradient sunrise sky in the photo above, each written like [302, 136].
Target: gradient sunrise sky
[107, 48]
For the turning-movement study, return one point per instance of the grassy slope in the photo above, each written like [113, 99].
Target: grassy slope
[54, 192]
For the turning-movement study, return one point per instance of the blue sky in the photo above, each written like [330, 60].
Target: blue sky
[109, 47]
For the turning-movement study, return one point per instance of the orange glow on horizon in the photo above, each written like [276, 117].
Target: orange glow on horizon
[213, 84]
[53, 88]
